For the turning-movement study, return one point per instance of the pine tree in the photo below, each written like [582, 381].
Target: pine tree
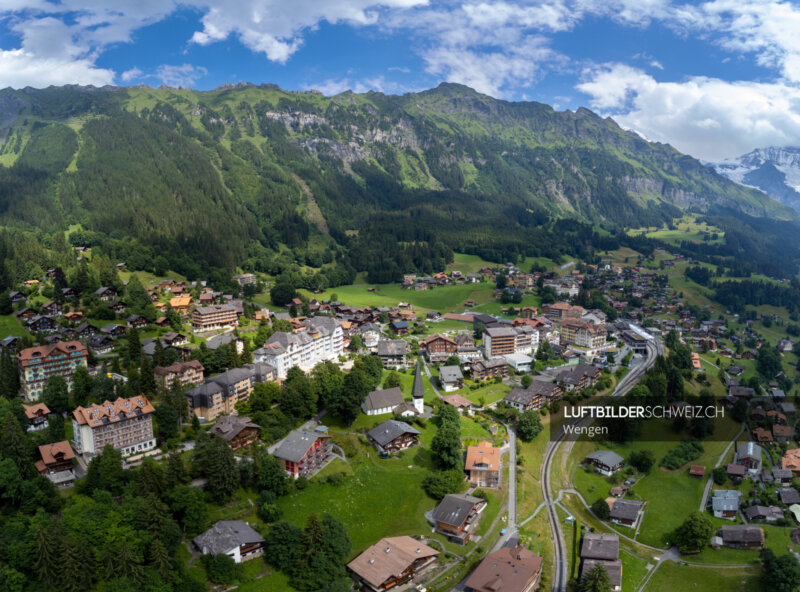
[221, 471]
[160, 560]
[47, 553]
[55, 395]
[9, 378]
[14, 445]
[159, 356]
[147, 379]
[134, 346]
[595, 580]
[77, 567]
[82, 386]
[176, 473]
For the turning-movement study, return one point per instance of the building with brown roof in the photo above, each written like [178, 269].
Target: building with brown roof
[791, 461]
[391, 562]
[602, 549]
[483, 465]
[181, 304]
[506, 570]
[438, 347]
[37, 364]
[55, 463]
[743, 536]
[37, 416]
[125, 424]
[457, 515]
[483, 369]
[182, 373]
[238, 431]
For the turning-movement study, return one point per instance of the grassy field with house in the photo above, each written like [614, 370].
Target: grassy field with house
[671, 496]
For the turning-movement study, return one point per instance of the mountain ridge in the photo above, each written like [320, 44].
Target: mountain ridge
[412, 175]
[775, 170]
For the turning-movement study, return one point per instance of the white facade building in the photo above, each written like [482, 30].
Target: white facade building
[321, 340]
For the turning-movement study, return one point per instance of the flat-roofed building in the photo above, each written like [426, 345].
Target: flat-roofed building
[216, 316]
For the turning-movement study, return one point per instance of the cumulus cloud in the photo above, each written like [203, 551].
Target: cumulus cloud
[184, 75]
[131, 74]
[709, 118]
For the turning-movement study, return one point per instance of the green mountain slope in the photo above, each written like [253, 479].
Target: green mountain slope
[216, 179]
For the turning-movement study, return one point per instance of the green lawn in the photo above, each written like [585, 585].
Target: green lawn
[634, 570]
[10, 326]
[672, 577]
[383, 498]
[671, 496]
[490, 391]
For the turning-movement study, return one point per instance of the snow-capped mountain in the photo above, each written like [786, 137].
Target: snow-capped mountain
[774, 170]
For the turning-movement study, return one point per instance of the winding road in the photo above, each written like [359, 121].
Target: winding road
[560, 578]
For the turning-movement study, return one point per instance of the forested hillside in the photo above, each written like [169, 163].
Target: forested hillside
[259, 177]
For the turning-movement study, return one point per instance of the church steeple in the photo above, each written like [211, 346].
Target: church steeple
[418, 390]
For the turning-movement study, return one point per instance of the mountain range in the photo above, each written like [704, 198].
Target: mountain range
[774, 170]
[246, 175]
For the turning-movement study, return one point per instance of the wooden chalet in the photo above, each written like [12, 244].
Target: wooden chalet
[238, 431]
[391, 562]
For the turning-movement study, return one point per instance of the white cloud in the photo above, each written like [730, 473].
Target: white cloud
[709, 118]
[656, 64]
[184, 75]
[20, 68]
[131, 74]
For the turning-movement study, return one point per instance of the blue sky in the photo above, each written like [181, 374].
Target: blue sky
[715, 79]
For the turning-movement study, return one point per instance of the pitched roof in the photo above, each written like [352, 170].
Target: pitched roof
[226, 535]
[48, 452]
[390, 430]
[614, 569]
[295, 446]
[457, 401]
[742, 533]
[483, 454]
[392, 347]
[108, 412]
[230, 426]
[43, 351]
[33, 411]
[725, 500]
[418, 388]
[505, 570]
[389, 557]
[608, 458]
[624, 509]
[789, 495]
[381, 399]
[600, 546]
[179, 368]
[455, 508]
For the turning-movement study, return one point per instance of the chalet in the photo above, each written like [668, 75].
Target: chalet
[725, 503]
[86, 330]
[136, 321]
[304, 452]
[457, 515]
[509, 569]
[370, 334]
[115, 330]
[741, 391]
[782, 433]
[391, 562]
[483, 465]
[238, 431]
[17, 296]
[55, 463]
[749, 455]
[697, 471]
[763, 436]
[451, 378]
[602, 549]
[40, 324]
[37, 415]
[392, 353]
[462, 404]
[70, 293]
[736, 471]
[788, 496]
[233, 538]
[162, 322]
[9, 343]
[100, 344]
[181, 304]
[536, 396]
[399, 327]
[483, 369]
[174, 339]
[438, 347]
[393, 436]
[51, 307]
[578, 377]
[605, 462]
[766, 513]
[782, 476]
[625, 511]
[105, 294]
[73, 317]
[743, 536]
[26, 313]
[382, 401]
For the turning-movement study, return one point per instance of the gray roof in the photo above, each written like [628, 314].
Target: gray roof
[725, 500]
[392, 347]
[231, 377]
[455, 508]
[756, 512]
[384, 398]
[625, 509]
[418, 388]
[450, 374]
[225, 536]
[782, 473]
[749, 450]
[390, 430]
[742, 533]
[606, 457]
[295, 446]
[500, 332]
[789, 495]
[600, 546]
[613, 568]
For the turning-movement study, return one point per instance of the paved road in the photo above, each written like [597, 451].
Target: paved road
[707, 490]
[560, 578]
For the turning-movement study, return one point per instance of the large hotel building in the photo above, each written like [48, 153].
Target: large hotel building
[37, 364]
[126, 424]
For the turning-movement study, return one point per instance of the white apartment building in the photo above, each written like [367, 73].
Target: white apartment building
[321, 340]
